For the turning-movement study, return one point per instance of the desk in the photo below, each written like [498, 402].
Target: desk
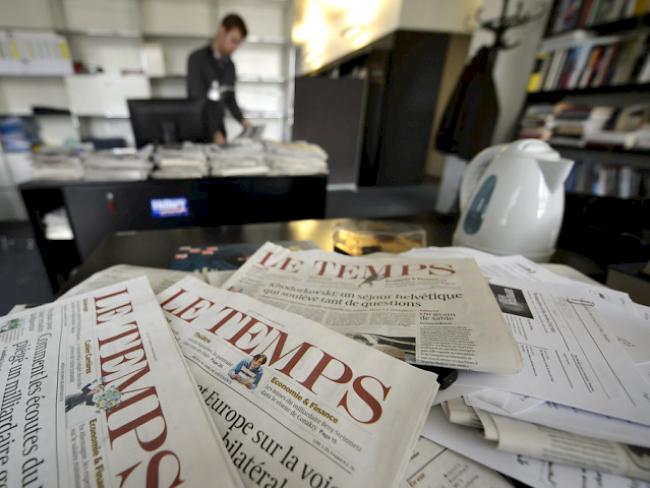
[156, 248]
[96, 209]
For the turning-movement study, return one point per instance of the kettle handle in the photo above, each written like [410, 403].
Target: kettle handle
[475, 171]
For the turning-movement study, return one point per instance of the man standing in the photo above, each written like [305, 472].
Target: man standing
[211, 75]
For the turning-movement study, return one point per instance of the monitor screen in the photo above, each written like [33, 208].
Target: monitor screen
[169, 207]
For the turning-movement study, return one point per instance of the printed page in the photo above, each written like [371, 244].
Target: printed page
[563, 447]
[435, 312]
[435, 466]
[159, 279]
[522, 270]
[571, 356]
[296, 403]
[458, 412]
[533, 472]
[96, 393]
[573, 420]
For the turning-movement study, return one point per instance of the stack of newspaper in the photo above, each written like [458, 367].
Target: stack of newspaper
[189, 161]
[58, 166]
[240, 157]
[296, 158]
[118, 164]
[274, 393]
[578, 414]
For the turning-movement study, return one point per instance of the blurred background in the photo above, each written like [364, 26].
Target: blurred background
[399, 94]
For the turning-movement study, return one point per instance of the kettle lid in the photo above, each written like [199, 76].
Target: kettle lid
[532, 148]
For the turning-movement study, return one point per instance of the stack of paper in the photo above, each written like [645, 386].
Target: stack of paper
[580, 408]
[296, 158]
[117, 165]
[239, 158]
[188, 162]
[60, 167]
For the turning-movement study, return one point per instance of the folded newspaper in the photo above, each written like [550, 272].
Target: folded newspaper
[297, 404]
[436, 312]
[91, 388]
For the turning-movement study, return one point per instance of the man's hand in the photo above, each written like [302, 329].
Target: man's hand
[219, 137]
[246, 124]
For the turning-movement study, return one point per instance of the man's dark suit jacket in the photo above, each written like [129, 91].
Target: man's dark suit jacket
[202, 69]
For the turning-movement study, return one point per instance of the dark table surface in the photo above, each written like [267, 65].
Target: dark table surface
[156, 248]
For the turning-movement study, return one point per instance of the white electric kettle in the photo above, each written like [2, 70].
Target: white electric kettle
[512, 200]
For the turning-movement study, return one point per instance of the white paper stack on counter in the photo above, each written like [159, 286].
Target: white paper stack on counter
[240, 158]
[190, 161]
[118, 165]
[57, 225]
[56, 166]
[578, 414]
[296, 158]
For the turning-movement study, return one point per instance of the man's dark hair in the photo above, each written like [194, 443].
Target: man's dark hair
[260, 356]
[234, 21]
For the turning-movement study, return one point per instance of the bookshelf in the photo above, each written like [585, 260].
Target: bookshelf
[589, 94]
[114, 36]
[552, 96]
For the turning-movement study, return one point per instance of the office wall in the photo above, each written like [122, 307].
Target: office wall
[329, 29]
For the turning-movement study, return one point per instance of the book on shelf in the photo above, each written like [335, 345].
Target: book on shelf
[611, 180]
[591, 126]
[572, 14]
[580, 60]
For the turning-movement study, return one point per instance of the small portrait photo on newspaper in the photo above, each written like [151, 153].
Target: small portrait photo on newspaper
[511, 300]
[248, 372]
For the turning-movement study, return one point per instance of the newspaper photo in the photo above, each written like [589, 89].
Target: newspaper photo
[437, 312]
[96, 393]
[296, 403]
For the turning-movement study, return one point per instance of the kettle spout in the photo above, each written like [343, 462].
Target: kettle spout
[555, 172]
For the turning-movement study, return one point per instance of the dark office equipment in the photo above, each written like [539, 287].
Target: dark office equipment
[330, 113]
[168, 121]
[402, 72]
[95, 209]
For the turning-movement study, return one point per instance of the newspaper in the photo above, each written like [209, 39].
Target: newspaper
[435, 312]
[533, 472]
[563, 447]
[91, 388]
[435, 466]
[159, 278]
[458, 412]
[570, 419]
[571, 355]
[297, 404]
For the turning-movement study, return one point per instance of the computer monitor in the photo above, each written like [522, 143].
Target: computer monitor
[168, 120]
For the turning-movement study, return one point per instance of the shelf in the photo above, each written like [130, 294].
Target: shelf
[100, 33]
[552, 96]
[34, 75]
[206, 37]
[265, 115]
[610, 27]
[248, 79]
[635, 158]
